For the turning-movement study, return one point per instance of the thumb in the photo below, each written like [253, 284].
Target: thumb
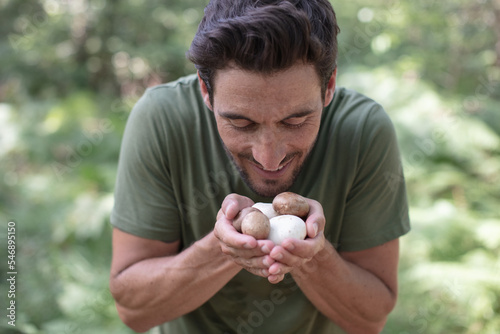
[230, 208]
[233, 203]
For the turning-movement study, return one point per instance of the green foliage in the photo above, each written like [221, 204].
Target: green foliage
[72, 70]
[449, 277]
[450, 267]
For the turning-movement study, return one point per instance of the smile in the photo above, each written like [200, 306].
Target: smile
[273, 173]
[273, 170]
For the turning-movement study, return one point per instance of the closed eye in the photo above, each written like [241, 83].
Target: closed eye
[237, 121]
[241, 123]
[295, 122]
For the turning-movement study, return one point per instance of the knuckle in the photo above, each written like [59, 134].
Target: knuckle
[216, 233]
[248, 263]
[252, 270]
[226, 250]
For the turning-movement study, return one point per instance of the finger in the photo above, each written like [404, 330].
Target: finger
[227, 234]
[284, 260]
[278, 268]
[233, 239]
[245, 251]
[254, 260]
[220, 213]
[293, 252]
[273, 279]
[315, 221]
[258, 272]
[233, 203]
[261, 263]
[256, 266]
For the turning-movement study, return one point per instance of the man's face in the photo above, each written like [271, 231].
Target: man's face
[269, 123]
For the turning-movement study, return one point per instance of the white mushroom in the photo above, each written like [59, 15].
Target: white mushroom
[286, 226]
[266, 208]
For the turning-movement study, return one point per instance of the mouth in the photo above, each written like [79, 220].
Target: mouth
[274, 170]
[272, 173]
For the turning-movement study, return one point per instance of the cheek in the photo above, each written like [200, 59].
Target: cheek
[233, 140]
[304, 138]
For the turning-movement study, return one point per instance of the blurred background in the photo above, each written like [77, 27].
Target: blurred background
[71, 70]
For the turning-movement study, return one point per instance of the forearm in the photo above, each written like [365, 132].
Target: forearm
[153, 291]
[349, 295]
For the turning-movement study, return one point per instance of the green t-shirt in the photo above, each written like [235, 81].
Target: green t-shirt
[174, 173]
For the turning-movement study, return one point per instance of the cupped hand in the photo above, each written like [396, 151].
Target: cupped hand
[293, 254]
[244, 250]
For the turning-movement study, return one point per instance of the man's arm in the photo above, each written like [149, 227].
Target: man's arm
[356, 290]
[152, 283]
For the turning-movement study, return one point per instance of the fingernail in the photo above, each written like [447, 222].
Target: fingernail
[290, 247]
[279, 256]
[315, 227]
[275, 271]
[265, 249]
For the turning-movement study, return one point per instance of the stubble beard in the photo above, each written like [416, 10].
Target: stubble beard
[274, 187]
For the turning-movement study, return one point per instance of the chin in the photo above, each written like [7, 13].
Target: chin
[269, 188]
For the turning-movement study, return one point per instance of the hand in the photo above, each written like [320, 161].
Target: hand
[245, 250]
[292, 254]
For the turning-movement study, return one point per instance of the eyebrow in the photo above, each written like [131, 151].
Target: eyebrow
[233, 115]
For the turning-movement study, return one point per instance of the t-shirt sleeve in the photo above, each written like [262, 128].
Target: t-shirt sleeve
[145, 203]
[376, 207]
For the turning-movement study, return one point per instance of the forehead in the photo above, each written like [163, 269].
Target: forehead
[237, 90]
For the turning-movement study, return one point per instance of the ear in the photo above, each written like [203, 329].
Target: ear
[204, 92]
[330, 88]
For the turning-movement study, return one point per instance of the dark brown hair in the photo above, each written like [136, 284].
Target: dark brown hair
[265, 36]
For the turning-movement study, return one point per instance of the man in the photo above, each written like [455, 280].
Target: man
[263, 116]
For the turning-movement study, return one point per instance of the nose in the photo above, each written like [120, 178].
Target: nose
[269, 150]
